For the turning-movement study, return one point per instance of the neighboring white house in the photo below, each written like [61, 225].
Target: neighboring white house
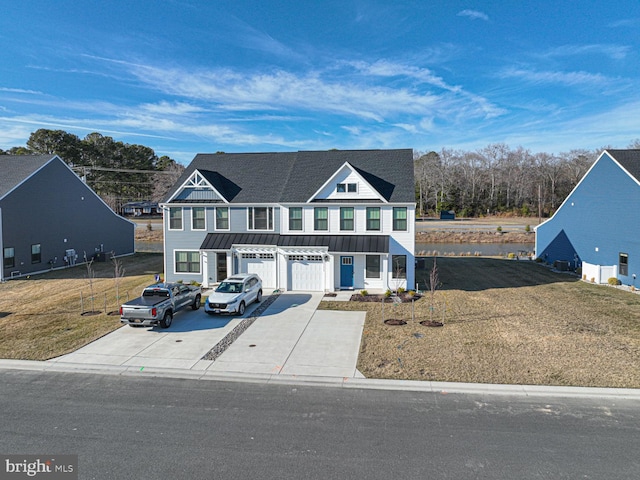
[308, 221]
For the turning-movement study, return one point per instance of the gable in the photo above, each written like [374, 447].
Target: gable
[198, 187]
[347, 184]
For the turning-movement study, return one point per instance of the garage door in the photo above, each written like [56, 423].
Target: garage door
[262, 264]
[306, 273]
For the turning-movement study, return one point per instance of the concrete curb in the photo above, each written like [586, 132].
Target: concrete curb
[442, 388]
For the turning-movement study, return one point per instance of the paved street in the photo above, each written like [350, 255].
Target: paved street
[153, 428]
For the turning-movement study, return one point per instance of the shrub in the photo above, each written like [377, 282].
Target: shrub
[364, 293]
[511, 256]
[613, 281]
[579, 271]
[149, 226]
[539, 260]
[194, 283]
[527, 228]
[387, 293]
[499, 229]
[411, 293]
[401, 291]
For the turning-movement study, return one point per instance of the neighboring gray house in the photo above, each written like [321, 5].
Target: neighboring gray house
[314, 221]
[49, 218]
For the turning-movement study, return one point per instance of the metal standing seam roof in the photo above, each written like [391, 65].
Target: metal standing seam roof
[334, 243]
[294, 177]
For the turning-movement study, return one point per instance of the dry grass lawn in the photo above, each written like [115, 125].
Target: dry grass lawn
[506, 322]
[41, 316]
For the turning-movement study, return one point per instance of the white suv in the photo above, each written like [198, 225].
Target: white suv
[234, 294]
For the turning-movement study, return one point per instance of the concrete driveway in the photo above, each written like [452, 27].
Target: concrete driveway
[290, 337]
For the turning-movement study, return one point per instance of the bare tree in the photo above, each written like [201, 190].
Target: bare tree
[91, 274]
[118, 273]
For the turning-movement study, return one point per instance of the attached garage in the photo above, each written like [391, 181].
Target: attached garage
[262, 264]
[306, 273]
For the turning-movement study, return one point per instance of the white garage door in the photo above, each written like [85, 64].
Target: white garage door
[262, 264]
[306, 273]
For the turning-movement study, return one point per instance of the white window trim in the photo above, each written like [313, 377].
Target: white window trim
[215, 219]
[353, 209]
[175, 272]
[302, 211]
[380, 217]
[205, 220]
[380, 260]
[271, 214]
[328, 229]
[181, 218]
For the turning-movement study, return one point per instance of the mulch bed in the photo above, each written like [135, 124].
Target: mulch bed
[394, 321]
[404, 298]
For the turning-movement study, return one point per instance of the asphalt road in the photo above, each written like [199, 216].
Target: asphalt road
[146, 428]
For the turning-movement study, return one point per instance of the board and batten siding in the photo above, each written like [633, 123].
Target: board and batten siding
[55, 209]
[599, 219]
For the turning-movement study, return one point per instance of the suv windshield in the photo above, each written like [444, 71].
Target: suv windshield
[229, 287]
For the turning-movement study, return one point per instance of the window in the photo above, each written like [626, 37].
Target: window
[175, 218]
[187, 262]
[399, 218]
[399, 266]
[198, 219]
[346, 218]
[373, 218]
[347, 187]
[321, 218]
[373, 266]
[9, 257]
[260, 218]
[623, 264]
[222, 218]
[295, 218]
[36, 256]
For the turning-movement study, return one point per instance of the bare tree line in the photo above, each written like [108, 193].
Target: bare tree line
[498, 179]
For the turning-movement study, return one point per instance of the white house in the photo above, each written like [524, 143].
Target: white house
[309, 221]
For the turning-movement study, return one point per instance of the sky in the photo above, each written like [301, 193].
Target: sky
[194, 76]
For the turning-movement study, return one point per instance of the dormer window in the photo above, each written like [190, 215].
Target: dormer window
[347, 188]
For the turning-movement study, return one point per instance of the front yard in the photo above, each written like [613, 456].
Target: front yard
[40, 316]
[506, 322]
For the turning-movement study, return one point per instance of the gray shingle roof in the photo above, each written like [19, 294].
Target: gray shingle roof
[15, 168]
[295, 176]
[629, 159]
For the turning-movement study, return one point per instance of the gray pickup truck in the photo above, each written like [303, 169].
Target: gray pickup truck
[158, 303]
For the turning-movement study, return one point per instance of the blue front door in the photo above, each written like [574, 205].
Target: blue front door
[346, 272]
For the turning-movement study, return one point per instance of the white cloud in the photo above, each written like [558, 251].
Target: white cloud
[616, 52]
[561, 78]
[474, 14]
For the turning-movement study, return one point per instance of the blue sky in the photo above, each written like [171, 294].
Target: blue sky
[240, 76]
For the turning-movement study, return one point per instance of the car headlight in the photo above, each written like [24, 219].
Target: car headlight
[231, 302]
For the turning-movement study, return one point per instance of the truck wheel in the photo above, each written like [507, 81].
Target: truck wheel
[166, 320]
[196, 303]
[259, 297]
[241, 309]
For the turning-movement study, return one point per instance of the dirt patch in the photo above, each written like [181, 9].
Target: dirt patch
[505, 322]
